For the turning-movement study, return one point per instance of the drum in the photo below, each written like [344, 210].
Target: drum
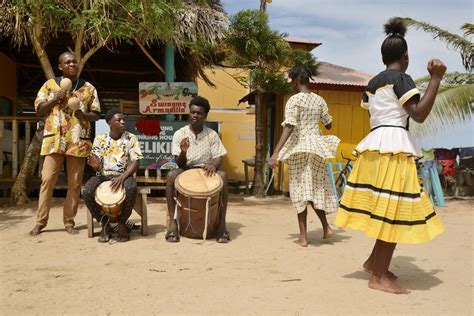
[111, 202]
[198, 203]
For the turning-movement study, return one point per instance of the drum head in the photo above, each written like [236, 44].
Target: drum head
[194, 182]
[104, 196]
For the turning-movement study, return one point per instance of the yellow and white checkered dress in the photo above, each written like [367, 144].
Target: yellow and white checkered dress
[305, 152]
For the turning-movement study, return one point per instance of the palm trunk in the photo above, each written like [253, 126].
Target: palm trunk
[19, 193]
[258, 184]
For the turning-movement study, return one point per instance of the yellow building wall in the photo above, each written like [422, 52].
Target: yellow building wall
[237, 126]
[238, 136]
[8, 78]
[227, 91]
[350, 121]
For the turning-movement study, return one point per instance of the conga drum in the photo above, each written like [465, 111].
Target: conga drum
[110, 201]
[198, 203]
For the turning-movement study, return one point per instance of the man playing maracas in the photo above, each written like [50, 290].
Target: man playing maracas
[66, 137]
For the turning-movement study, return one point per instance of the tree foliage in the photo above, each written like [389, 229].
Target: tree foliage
[252, 45]
[463, 44]
[454, 102]
[93, 24]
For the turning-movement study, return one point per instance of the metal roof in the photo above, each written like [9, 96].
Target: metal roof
[339, 75]
[302, 41]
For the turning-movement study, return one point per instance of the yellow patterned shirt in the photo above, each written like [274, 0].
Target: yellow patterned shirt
[63, 132]
[116, 155]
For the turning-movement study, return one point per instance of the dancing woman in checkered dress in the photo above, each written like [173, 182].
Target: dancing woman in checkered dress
[304, 148]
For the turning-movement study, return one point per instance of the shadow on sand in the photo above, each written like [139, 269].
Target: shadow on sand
[412, 277]
[315, 237]
[155, 229]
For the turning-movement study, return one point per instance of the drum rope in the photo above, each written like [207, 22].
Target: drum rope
[175, 216]
[206, 219]
[107, 222]
[189, 217]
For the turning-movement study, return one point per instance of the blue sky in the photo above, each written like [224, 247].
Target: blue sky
[351, 33]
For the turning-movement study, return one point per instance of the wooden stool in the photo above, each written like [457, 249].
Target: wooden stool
[140, 207]
[247, 162]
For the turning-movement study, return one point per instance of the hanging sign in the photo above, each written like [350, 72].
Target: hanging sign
[165, 97]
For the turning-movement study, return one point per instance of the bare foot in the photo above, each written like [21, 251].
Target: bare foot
[387, 285]
[71, 230]
[37, 230]
[328, 232]
[301, 243]
[368, 267]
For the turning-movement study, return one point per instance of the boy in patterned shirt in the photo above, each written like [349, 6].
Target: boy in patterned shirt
[197, 146]
[115, 157]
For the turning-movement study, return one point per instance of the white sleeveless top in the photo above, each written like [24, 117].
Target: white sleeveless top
[384, 97]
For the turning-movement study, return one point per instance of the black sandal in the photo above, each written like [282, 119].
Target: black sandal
[172, 236]
[104, 238]
[225, 238]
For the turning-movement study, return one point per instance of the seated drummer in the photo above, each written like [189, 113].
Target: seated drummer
[197, 146]
[115, 156]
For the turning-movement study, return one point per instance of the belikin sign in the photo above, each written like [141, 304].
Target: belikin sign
[165, 97]
[155, 138]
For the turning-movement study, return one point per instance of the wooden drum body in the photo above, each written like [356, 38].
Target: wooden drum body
[198, 194]
[111, 202]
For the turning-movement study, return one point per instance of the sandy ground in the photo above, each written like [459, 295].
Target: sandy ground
[260, 272]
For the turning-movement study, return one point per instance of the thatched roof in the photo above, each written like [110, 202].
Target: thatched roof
[207, 23]
[204, 23]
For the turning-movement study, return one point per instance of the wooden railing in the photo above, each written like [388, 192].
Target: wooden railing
[18, 125]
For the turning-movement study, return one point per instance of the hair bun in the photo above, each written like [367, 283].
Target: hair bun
[395, 26]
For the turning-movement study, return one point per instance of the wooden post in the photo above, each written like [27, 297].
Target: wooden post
[14, 148]
[169, 63]
[1, 146]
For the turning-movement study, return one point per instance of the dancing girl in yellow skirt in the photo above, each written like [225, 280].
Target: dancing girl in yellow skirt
[383, 196]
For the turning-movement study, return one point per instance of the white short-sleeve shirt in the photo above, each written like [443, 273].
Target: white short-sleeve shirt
[203, 148]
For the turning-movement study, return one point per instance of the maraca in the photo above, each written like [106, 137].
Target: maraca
[65, 84]
[73, 103]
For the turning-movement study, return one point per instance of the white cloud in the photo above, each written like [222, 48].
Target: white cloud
[351, 31]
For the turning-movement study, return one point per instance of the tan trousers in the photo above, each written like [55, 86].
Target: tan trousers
[49, 176]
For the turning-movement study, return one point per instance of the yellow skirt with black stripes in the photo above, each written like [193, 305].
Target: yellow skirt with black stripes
[383, 198]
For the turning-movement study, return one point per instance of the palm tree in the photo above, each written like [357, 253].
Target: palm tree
[461, 43]
[455, 100]
[454, 104]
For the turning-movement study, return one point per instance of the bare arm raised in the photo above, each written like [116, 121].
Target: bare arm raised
[420, 109]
